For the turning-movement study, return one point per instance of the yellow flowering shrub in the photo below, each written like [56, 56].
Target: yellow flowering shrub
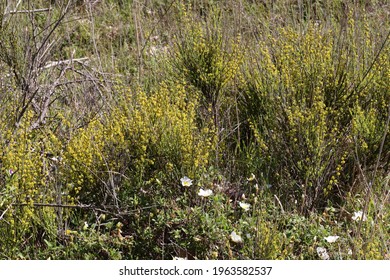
[29, 177]
[307, 101]
[162, 135]
[206, 60]
[148, 137]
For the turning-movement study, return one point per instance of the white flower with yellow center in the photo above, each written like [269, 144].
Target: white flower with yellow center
[186, 182]
[357, 216]
[244, 206]
[332, 238]
[235, 237]
[251, 178]
[205, 193]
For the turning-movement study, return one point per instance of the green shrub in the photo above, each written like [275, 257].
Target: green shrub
[302, 103]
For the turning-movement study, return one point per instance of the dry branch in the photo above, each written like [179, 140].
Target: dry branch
[27, 11]
[62, 62]
[82, 206]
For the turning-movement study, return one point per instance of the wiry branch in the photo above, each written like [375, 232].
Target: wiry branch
[62, 62]
[82, 206]
[27, 11]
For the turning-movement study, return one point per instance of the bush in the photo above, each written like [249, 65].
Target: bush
[302, 106]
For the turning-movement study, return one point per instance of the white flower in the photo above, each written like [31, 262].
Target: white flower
[85, 227]
[357, 216]
[245, 206]
[179, 259]
[205, 193]
[332, 238]
[153, 50]
[322, 253]
[235, 237]
[186, 182]
[252, 177]
[55, 159]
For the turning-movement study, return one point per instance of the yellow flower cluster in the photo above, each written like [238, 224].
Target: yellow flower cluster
[29, 173]
[147, 134]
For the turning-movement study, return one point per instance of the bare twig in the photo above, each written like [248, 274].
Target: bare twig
[5, 211]
[27, 11]
[280, 204]
[83, 206]
[62, 62]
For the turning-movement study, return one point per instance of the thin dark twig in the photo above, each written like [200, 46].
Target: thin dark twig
[356, 87]
[83, 206]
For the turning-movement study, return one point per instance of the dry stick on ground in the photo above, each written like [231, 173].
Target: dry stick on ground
[28, 11]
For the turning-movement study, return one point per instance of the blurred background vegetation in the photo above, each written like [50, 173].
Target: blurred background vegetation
[197, 129]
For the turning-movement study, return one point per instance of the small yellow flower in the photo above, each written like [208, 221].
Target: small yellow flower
[70, 232]
[251, 178]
